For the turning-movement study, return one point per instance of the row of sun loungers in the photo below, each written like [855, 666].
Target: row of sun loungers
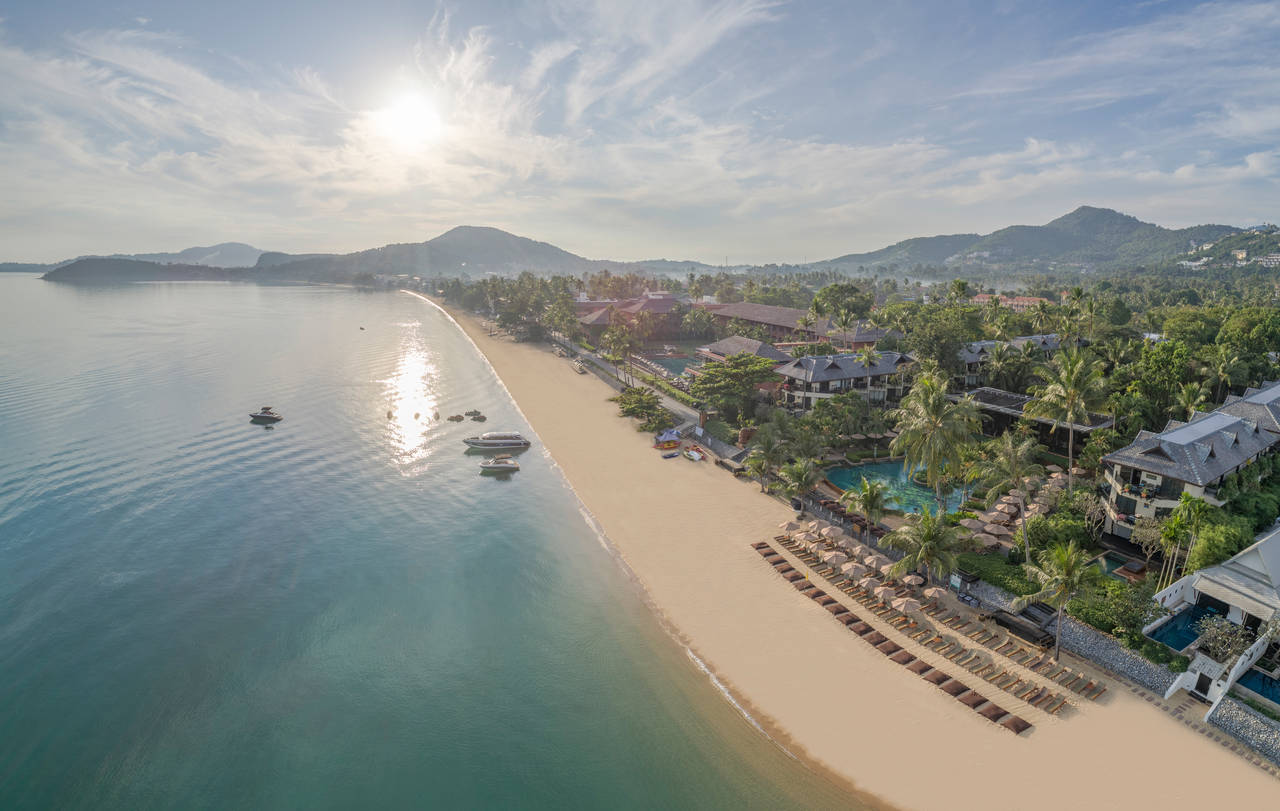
[945, 645]
[1032, 693]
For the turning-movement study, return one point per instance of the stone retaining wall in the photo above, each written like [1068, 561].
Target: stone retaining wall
[1253, 728]
[1107, 651]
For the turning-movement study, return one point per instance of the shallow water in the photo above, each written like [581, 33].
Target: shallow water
[337, 611]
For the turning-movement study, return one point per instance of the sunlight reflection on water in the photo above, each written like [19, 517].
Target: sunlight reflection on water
[414, 399]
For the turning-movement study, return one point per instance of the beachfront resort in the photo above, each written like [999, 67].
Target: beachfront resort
[991, 513]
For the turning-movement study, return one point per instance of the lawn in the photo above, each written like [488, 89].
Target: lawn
[994, 570]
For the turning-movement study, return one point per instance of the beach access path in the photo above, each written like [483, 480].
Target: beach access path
[685, 530]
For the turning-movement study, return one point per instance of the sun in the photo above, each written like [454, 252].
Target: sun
[409, 123]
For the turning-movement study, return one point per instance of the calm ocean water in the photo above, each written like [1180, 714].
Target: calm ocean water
[196, 612]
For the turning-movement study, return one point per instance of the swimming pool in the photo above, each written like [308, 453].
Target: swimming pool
[1262, 684]
[1179, 631]
[903, 493]
[675, 366]
[1109, 562]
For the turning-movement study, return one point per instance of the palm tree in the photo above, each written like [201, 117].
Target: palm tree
[757, 465]
[1062, 571]
[1073, 389]
[932, 428]
[928, 543]
[1010, 462]
[1187, 399]
[770, 445]
[1042, 315]
[1116, 353]
[868, 357]
[1190, 513]
[868, 500]
[798, 478]
[806, 445]
[843, 323]
[1222, 366]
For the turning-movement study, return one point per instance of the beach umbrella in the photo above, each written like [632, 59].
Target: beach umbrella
[869, 583]
[887, 570]
[1016, 494]
[1008, 500]
[817, 526]
[789, 526]
[834, 558]
[913, 580]
[853, 569]
[1079, 471]
[885, 593]
[804, 537]
[1038, 509]
[998, 531]
[1054, 469]
[1007, 509]
[830, 533]
[860, 550]
[987, 540]
[971, 523]
[935, 593]
[907, 605]
[875, 561]
[848, 544]
[858, 437]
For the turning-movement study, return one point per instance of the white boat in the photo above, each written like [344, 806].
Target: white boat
[497, 439]
[502, 463]
[265, 415]
[579, 368]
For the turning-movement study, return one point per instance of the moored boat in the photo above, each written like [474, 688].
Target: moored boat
[265, 415]
[502, 463]
[498, 439]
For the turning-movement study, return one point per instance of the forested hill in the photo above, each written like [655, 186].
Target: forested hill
[1087, 236]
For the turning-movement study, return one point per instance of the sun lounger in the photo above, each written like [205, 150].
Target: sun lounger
[993, 712]
[985, 670]
[1043, 701]
[998, 674]
[1005, 681]
[956, 653]
[1005, 648]
[1053, 707]
[1036, 695]
[1015, 725]
[1097, 693]
[1027, 690]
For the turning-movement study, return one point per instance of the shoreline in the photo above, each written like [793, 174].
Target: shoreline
[682, 531]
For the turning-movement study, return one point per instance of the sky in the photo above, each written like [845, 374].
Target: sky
[739, 131]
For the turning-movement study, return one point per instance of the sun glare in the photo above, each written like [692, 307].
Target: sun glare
[409, 123]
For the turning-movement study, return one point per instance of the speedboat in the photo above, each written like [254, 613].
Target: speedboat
[265, 415]
[498, 439]
[502, 463]
[579, 368]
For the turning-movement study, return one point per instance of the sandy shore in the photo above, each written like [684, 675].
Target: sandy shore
[685, 530]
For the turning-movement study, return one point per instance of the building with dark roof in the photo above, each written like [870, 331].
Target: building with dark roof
[809, 379]
[1002, 409]
[1147, 477]
[783, 324]
[738, 345]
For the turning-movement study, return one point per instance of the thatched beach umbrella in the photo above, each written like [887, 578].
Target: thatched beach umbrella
[860, 550]
[986, 540]
[1079, 471]
[1016, 494]
[804, 537]
[789, 526]
[885, 593]
[869, 583]
[887, 570]
[913, 580]
[971, 523]
[875, 561]
[907, 605]
[1055, 469]
[830, 533]
[998, 531]
[1037, 509]
[834, 558]
[934, 593]
[1007, 509]
[853, 570]
[818, 526]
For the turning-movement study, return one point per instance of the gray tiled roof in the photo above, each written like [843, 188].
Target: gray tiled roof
[1257, 405]
[820, 368]
[789, 317]
[737, 345]
[1199, 452]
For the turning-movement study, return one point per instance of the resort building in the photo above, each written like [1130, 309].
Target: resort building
[975, 355]
[1146, 478]
[1019, 304]
[1002, 410]
[666, 307]
[1246, 591]
[807, 380]
[738, 345]
[783, 324]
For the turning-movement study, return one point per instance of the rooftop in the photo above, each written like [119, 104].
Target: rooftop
[847, 366]
[737, 345]
[1011, 403]
[789, 318]
[1200, 452]
[1250, 580]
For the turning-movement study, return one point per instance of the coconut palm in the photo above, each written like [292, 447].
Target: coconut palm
[843, 323]
[1062, 571]
[806, 445]
[932, 429]
[870, 500]
[1116, 353]
[1007, 368]
[927, 543]
[770, 445]
[868, 357]
[1222, 366]
[757, 465]
[1041, 316]
[1073, 388]
[797, 478]
[1010, 461]
[1187, 400]
[1189, 515]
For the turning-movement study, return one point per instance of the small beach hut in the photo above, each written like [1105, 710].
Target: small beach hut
[668, 439]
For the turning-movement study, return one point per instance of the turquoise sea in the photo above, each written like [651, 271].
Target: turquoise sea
[336, 612]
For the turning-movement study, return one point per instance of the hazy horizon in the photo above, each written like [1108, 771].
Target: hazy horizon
[739, 130]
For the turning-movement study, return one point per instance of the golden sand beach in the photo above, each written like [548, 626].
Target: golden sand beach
[685, 530]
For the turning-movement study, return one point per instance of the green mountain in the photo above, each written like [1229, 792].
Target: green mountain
[1086, 236]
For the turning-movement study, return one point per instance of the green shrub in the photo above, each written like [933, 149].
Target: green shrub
[994, 570]
[721, 431]
[1179, 663]
[1156, 652]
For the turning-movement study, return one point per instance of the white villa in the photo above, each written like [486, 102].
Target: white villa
[1245, 590]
